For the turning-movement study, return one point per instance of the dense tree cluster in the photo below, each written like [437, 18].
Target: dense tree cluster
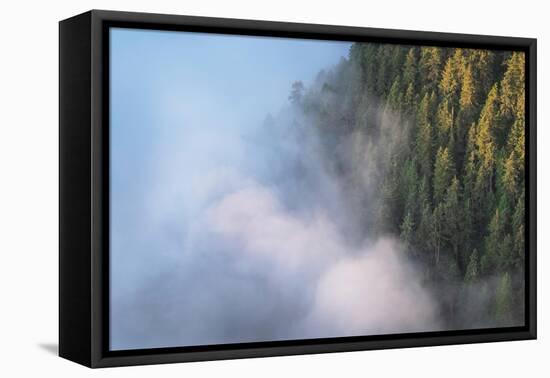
[445, 131]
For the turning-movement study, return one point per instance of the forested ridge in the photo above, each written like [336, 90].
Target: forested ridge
[441, 134]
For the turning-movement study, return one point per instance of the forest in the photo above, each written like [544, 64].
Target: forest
[428, 144]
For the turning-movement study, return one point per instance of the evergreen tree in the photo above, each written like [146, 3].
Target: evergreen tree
[430, 68]
[407, 230]
[453, 224]
[410, 99]
[410, 68]
[425, 228]
[395, 97]
[516, 141]
[468, 90]
[504, 302]
[493, 243]
[484, 63]
[383, 77]
[472, 271]
[437, 237]
[369, 65]
[424, 138]
[445, 122]
[296, 93]
[511, 177]
[408, 186]
[467, 112]
[485, 143]
[513, 87]
[518, 230]
[452, 76]
[443, 173]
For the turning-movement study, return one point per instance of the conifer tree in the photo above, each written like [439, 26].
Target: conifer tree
[410, 99]
[511, 176]
[518, 230]
[468, 90]
[453, 223]
[410, 68]
[445, 122]
[516, 141]
[472, 271]
[452, 76]
[407, 230]
[443, 173]
[493, 243]
[513, 87]
[395, 97]
[296, 93]
[425, 228]
[430, 68]
[437, 236]
[503, 301]
[424, 138]
[486, 144]
[408, 186]
[483, 63]
[383, 77]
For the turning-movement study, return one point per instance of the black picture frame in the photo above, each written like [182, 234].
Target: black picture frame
[84, 188]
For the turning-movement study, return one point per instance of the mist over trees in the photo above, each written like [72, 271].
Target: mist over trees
[428, 144]
[384, 194]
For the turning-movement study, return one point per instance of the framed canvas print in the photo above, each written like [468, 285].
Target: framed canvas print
[234, 188]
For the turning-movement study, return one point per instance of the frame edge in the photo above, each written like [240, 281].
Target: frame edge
[74, 189]
[98, 17]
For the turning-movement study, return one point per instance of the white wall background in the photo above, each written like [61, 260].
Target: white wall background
[29, 187]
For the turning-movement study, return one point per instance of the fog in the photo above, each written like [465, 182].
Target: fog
[229, 224]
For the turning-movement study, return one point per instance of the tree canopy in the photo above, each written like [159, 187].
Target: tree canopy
[451, 161]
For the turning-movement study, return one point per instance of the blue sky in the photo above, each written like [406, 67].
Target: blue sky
[181, 104]
[166, 86]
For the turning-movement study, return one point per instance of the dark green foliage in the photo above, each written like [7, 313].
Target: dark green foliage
[453, 223]
[472, 271]
[449, 126]
[407, 229]
[443, 173]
